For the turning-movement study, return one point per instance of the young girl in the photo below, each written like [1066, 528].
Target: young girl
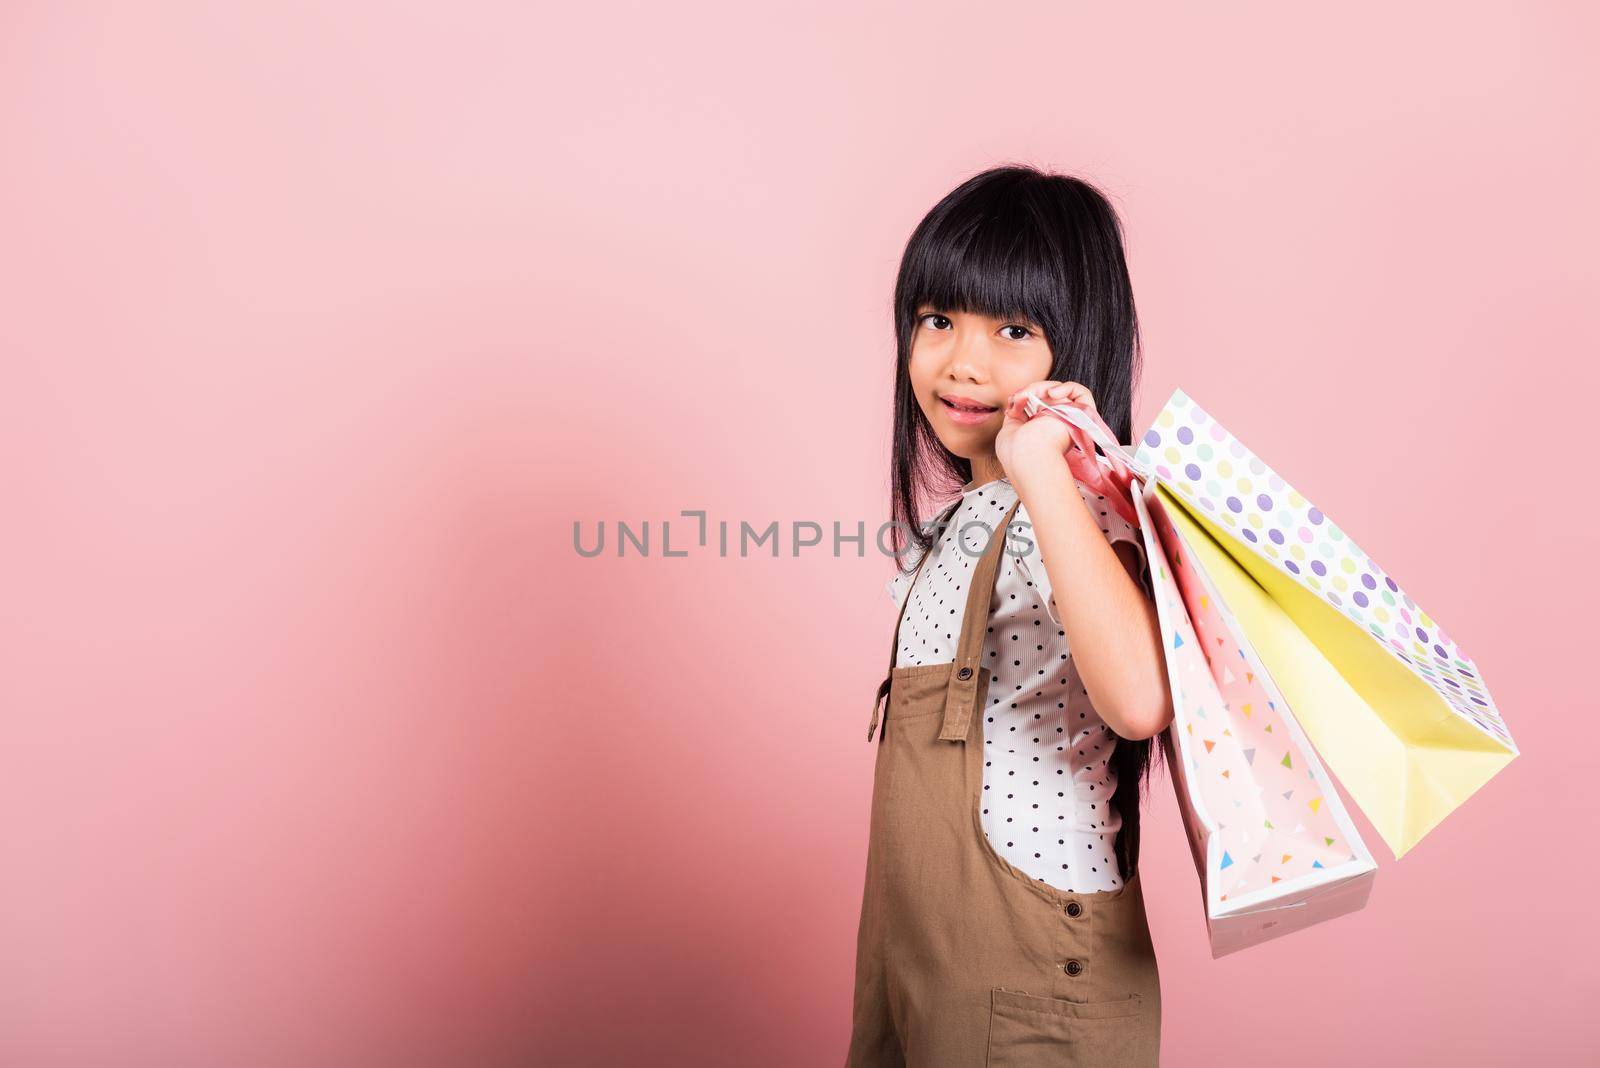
[1003, 921]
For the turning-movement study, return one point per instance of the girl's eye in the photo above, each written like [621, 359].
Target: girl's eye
[942, 322]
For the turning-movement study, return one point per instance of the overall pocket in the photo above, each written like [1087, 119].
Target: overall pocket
[1029, 1031]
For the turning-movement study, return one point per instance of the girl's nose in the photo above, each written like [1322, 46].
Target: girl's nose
[970, 360]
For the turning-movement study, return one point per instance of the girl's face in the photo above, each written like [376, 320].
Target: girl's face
[965, 366]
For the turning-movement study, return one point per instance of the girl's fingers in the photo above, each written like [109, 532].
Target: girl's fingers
[1074, 392]
[1017, 407]
[1049, 392]
[1045, 390]
[1062, 392]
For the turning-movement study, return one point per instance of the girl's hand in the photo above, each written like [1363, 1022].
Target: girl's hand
[1024, 442]
[1025, 446]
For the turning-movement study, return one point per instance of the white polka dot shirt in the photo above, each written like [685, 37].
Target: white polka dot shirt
[1047, 779]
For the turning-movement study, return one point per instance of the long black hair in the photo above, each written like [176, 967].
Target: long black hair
[1018, 242]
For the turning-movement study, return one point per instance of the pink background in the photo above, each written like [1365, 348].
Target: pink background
[324, 323]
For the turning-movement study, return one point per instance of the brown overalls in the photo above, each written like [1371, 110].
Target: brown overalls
[962, 959]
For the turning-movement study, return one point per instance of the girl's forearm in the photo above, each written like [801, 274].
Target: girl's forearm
[1111, 626]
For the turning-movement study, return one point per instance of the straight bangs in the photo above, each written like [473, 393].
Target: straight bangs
[985, 259]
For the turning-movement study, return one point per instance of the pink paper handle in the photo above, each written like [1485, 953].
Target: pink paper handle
[1089, 430]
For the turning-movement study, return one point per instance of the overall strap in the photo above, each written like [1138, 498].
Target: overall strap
[894, 643]
[961, 697]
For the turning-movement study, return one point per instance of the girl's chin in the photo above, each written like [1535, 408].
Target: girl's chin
[969, 442]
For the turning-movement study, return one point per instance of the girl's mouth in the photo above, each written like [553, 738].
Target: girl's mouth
[967, 412]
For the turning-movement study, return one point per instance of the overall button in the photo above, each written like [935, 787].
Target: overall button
[964, 674]
[1074, 909]
[1074, 967]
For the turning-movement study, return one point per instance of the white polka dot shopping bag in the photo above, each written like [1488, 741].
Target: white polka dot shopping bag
[1286, 643]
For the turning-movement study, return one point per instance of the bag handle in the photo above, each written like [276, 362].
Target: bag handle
[1090, 422]
[1089, 430]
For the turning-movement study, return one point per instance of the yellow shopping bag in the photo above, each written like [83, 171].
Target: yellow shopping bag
[1407, 757]
[1394, 708]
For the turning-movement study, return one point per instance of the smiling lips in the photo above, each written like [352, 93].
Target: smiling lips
[965, 410]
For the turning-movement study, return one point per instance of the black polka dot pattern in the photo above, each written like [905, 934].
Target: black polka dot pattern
[1047, 779]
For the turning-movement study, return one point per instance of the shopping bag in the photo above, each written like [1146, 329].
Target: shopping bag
[1397, 710]
[1275, 849]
